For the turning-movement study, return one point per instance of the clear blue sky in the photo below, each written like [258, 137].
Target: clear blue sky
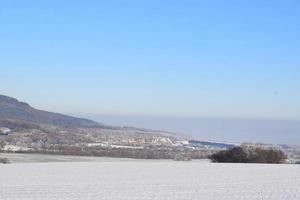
[237, 59]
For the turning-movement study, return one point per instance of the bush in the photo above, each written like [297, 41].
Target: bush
[4, 160]
[249, 155]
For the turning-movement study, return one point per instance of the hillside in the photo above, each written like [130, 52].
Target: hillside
[13, 109]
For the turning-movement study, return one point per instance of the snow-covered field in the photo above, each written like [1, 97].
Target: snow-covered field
[118, 179]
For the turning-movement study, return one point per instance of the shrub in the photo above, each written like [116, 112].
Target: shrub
[269, 156]
[249, 155]
[4, 160]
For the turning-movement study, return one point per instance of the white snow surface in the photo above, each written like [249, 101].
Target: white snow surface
[148, 180]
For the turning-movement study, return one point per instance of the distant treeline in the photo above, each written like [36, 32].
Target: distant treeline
[245, 154]
[152, 152]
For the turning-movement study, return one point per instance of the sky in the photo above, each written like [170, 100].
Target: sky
[159, 61]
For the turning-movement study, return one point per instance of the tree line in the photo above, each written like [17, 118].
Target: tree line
[244, 154]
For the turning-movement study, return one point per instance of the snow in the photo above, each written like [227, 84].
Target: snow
[15, 148]
[4, 130]
[114, 146]
[121, 179]
[97, 144]
[126, 147]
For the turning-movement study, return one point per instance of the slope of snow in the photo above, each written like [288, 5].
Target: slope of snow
[148, 180]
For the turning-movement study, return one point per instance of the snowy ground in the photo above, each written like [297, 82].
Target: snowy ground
[118, 179]
[38, 158]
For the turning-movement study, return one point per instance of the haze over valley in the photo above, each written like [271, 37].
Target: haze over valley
[238, 130]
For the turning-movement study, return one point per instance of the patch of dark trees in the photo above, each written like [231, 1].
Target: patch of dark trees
[249, 155]
[4, 161]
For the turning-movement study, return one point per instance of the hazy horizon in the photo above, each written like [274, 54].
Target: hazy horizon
[220, 129]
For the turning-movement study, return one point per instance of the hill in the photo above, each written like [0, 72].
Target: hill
[11, 108]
